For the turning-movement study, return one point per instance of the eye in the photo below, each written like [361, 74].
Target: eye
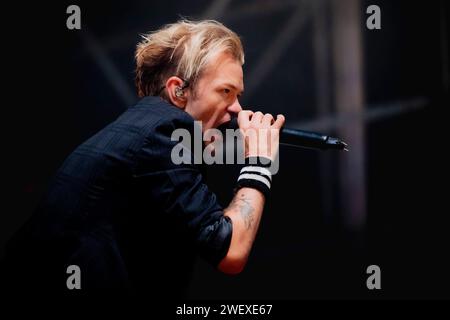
[226, 91]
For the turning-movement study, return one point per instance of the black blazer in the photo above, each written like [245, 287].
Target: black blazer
[122, 211]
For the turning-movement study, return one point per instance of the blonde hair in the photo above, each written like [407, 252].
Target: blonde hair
[182, 49]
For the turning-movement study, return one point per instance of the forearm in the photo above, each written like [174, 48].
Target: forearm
[245, 212]
[254, 184]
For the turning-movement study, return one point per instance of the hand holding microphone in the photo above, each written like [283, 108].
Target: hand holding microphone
[261, 133]
[299, 138]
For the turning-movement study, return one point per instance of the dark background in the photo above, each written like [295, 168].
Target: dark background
[331, 214]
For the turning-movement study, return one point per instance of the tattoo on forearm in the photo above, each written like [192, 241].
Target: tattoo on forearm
[245, 208]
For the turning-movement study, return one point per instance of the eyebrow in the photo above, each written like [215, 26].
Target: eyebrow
[234, 87]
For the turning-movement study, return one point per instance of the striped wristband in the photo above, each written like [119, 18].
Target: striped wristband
[256, 174]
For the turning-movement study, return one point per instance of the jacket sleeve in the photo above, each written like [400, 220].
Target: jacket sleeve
[180, 193]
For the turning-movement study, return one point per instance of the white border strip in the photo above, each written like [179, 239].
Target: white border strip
[256, 169]
[255, 177]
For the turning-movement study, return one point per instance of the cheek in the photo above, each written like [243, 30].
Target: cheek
[213, 108]
[210, 109]
[211, 117]
[220, 110]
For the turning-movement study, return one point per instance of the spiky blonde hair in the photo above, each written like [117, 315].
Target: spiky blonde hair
[182, 49]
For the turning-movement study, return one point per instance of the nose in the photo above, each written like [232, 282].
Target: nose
[235, 107]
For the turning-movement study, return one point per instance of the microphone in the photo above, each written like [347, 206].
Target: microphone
[303, 139]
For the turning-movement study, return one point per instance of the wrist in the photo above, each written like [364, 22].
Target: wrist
[256, 174]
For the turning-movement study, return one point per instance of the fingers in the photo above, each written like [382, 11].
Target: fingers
[260, 132]
[244, 118]
[278, 124]
[257, 118]
[247, 117]
[267, 119]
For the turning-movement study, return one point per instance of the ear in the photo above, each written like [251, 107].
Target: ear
[175, 93]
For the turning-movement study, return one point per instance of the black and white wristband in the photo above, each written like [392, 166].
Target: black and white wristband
[256, 174]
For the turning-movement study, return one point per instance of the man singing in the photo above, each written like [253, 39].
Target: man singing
[120, 210]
